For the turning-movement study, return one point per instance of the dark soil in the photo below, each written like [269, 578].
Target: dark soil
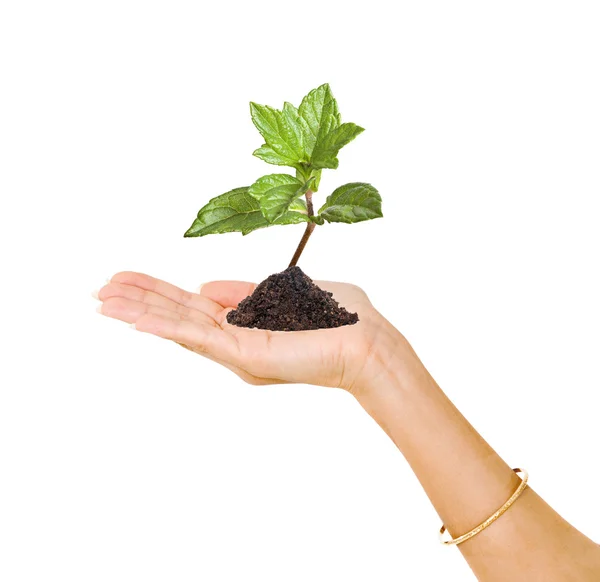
[290, 301]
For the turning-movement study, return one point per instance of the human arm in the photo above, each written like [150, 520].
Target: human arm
[464, 478]
[467, 481]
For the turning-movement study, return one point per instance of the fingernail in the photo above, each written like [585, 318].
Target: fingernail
[99, 308]
[132, 326]
[200, 288]
[95, 295]
[107, 282]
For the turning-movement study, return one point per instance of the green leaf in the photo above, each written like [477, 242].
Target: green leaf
[305, 174]
[282, 133]
[319, 115]
[326, 150]
[316, 174]
[266, 183]
[275, 193]
[292, 115]
[269, 155]
[353, 202]
[289, 217]
[299, 205]
[236, 211]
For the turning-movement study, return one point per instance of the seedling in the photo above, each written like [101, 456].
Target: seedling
[307, 139]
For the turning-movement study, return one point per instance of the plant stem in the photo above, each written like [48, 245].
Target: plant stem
[310, 226]
[309, 204]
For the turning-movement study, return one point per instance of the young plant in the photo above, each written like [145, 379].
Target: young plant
[308, 139]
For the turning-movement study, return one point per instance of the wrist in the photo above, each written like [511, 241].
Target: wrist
[391, 370]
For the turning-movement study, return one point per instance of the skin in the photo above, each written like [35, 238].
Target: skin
[462, 475]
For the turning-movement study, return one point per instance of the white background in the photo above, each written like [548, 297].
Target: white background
[126, 458]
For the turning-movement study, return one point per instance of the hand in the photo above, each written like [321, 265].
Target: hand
[344, 357]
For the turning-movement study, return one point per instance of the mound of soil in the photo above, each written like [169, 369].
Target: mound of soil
[290, 301]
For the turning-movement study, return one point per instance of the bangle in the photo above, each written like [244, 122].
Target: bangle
[459, 540]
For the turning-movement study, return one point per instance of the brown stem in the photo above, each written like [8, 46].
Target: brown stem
[309, 205]
[310, 226]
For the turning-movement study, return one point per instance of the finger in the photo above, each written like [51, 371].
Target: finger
[130, 311]
[113, 290]
[200, 337]
[192, 300]
[227, 293]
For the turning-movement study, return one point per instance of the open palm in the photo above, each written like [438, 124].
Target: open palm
[328, 357]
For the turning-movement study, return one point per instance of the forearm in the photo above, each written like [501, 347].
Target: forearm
[467, 481]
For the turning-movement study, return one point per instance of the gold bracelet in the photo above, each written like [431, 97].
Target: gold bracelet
[492, 518]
